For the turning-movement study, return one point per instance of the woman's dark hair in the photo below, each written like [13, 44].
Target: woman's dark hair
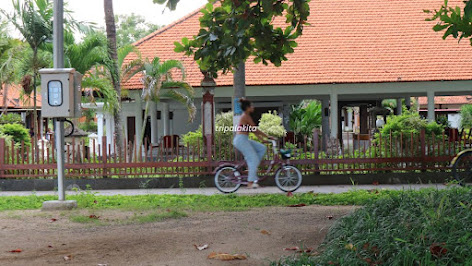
[245, 103]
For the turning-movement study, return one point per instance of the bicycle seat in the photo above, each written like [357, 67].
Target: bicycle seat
[286, 153]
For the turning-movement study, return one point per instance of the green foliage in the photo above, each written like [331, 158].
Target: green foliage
[428, 227]
[18, 133]
[89, 126]
[410, 122]
[193, 138]
[170, 4]
[453, 20]
[305, 117]
[234, 30]
[11, 118]
[443, 121]
[466, 116]
[131, 28]
[271, 124]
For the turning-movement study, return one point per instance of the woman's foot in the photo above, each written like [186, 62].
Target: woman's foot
[251, 185]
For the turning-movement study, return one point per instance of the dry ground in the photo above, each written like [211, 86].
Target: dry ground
[170, 242]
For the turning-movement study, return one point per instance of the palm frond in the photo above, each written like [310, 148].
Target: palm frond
[184, 99]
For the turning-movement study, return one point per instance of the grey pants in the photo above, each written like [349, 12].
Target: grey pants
[253, 152]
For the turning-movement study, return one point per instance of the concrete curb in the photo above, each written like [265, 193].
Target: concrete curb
[207, 181]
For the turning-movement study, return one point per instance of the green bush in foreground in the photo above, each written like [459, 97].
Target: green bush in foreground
[429, 227]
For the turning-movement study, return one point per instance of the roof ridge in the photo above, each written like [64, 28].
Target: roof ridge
[165, 28]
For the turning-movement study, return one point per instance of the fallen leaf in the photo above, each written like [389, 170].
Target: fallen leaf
[202, 247]
[49, 246]
[292, 248]
[308, 250]
[16, 251]
[375, 183]
[438, 249]
[350, 246]
[297, 205]
[330, 217]
[68, 257]
[95, 202]
[289, 194]
[264, 232]
[53, 219]
[226, 256]
[93, 216]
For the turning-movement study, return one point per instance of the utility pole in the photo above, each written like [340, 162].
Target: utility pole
[58, 59]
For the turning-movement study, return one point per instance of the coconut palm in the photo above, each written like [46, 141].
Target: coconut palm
[158, 83]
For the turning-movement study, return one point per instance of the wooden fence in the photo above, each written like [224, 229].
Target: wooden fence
[391, 153]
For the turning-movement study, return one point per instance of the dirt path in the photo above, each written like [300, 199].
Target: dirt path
[169, 242]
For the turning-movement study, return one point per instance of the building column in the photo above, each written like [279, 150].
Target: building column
[408, 102]
[100, 128]
[364, 120]
[208, 107]
[399, 107]
[325, 122]
[431, 106]
[138, 121]
[334, 114]
[165, 118]
[350, 126]
[109, 131]
[153, 111]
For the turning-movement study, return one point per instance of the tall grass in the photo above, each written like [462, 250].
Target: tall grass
[428, 227]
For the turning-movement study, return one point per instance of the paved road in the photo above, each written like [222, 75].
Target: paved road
[242, 190]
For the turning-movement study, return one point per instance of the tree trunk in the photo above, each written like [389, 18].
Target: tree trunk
[143, 128]
[239, 89]
[35, 107]
[5, 99]
[115, 72]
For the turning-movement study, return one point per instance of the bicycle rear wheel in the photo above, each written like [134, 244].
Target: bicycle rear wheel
[462, 169]
[226, 180]
[288, 178]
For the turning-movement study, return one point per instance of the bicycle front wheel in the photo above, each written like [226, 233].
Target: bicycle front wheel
[288, 178]
[226, 180]
[462, 168]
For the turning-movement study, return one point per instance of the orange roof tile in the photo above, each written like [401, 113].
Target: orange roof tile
[15, 99]
[349, 41]
[447, 100]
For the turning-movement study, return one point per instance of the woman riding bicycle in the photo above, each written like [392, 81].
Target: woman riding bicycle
[253, 151]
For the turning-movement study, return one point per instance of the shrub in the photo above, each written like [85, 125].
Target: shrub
[410, 122]
[18, 133]
[305, 117]
[428, 227]
[89, 126]
[271, 124]
[11, 119]
[466, 116]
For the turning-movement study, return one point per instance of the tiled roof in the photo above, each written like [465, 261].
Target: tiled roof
[349, 41]
[15, 99]
[447, 100]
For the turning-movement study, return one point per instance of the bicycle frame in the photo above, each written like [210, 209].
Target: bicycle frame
[241, 164]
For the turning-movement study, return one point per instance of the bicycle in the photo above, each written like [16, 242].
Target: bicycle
[288, 178]
[462, 167]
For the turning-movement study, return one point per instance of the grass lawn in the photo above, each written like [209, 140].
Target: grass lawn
[220, 202]
[427, 227]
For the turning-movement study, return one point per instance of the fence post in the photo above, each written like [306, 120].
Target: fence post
[423, 149]
[209, 152]
[316, 148]
[2, 156]
[104, 156]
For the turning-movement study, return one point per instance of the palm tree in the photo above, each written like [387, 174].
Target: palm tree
[9, 49]
[113, 65]
[33, 20]
[158, 83]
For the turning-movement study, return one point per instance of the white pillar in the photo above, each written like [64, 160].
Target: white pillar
[100, 127]
[431, 106]
[109, 131]
[334, 114]
[399, 106]
[165, 118]
[349, 119]
[153, 111]
[138, 121]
